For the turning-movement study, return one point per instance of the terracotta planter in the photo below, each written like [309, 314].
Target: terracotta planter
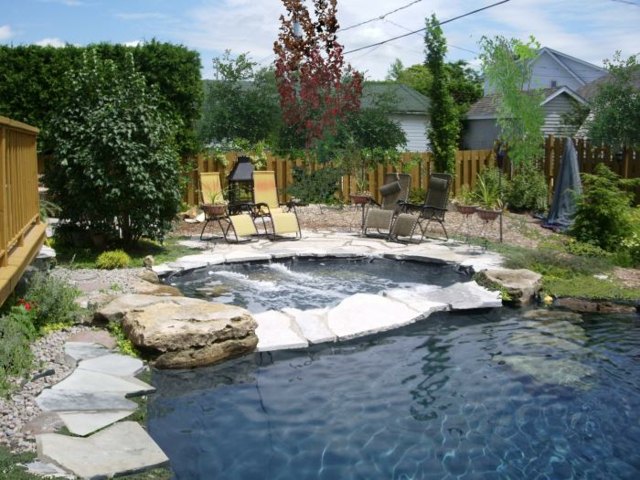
[487, 215]
[360, 199]
[466, 209]
[214, 210]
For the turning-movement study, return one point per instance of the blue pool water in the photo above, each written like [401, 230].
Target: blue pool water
[492, 395]
[308, 282]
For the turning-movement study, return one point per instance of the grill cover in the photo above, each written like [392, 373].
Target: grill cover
[242, 171]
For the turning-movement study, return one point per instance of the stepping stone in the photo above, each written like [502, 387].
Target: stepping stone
[84, 350]
[417, 299]
[101, 337]
[364, 313]
[85, 423]
[96, 382]
[118, 450]
[47, 470]
[113, 364]
[312, 323]
[276, 331]
[467, 296]
[68, 401]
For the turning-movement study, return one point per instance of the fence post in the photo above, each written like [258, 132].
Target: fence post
[4, 235]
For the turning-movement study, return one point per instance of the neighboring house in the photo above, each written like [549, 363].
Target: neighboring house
[481, 127]
[560, 75]
[409, 110]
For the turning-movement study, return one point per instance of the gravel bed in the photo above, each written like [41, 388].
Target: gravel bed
[20, 408]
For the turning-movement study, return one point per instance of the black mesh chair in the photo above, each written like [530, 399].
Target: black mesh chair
[433, 209]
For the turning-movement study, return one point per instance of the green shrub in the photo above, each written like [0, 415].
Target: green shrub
[16, 332]
[603, 211]
[115, 154]
[527, 190]
[52, 300]
[488, 189]
[585, 249]
[315, 187]
[113, 259]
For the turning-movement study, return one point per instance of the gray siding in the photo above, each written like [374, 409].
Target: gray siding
[553, 112]
[480, 134]
[586, 73]
[546, 70]
[415, 129]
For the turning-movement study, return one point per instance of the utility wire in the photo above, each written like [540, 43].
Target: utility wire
[424, 28]
[381, 17]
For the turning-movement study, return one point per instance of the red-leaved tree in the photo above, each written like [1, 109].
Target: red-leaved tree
[316, 87]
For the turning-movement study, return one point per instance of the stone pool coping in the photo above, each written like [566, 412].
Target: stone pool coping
[359, 314]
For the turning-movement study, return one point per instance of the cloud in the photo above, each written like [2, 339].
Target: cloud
[6, 32]
[51, 42]
[141, 16]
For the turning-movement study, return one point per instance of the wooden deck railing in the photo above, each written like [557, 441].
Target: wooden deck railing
[21, 233]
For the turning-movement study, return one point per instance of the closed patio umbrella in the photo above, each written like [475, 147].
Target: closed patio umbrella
[567, 186]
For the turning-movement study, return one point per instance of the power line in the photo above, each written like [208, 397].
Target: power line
[381, 17]
[424, 28]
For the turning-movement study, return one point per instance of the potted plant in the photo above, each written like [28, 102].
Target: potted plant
[465, 202]
[217, 205]
[488, 195]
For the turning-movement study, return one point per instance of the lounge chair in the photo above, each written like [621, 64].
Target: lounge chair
[240, 224]
[267, 207]
[395, 192]
[433, 209]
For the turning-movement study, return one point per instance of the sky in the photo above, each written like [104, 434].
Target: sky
[591, 30]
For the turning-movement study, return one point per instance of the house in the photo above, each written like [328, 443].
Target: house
[560, 76]
[408, 109]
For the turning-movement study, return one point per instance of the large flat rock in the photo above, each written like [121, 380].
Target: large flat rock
[467, 296]
[312, 323]
[66, 400]
[115, 311]
[363, 314]
[418, 299]
[277, 331]
[113, 364]
[191, 334]
[120, 449]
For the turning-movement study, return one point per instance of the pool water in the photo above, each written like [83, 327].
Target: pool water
[491, 395]
[306, 283]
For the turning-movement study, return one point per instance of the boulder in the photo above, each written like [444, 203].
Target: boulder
[115, 310]
[521, 285]
[149, 275]
[186, 335]
[594, 306]
[159, 289]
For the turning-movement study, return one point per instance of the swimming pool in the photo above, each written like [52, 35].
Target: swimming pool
[497, 394]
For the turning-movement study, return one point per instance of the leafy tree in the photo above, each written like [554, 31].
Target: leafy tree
[615, 107]
[444, 128]
[240, 103]
[417, 76]
[316, 87]
[506, 64]
[115, 155]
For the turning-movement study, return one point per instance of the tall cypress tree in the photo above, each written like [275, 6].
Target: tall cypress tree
[444, 128]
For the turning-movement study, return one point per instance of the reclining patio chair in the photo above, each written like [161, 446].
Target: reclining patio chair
[395, 192]
[267, 206]
[433, 209]
[240, 224]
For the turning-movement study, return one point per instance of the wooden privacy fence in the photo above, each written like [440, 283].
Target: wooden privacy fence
[469, 163]
[21, 233]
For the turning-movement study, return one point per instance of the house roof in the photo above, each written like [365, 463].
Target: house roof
[561, 58]
[486, 107]
[590, 89]
[405, 99]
